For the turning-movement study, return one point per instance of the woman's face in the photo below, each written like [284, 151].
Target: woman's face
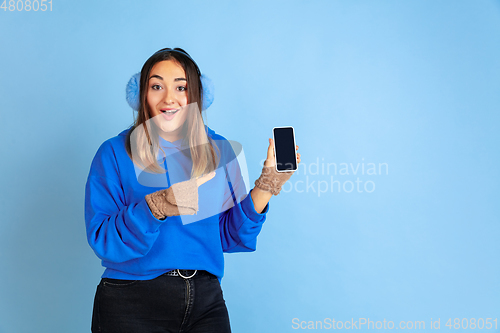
[167, 98]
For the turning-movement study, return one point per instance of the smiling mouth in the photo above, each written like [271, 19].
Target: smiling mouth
[169, 112]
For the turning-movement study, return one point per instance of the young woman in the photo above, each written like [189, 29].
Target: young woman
[164, 200]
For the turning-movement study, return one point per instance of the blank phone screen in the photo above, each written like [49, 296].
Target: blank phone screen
[284, 144]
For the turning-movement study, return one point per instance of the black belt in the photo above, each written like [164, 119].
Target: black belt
[187, 273]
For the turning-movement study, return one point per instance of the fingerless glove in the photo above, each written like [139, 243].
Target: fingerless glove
[271, 180]
[179, 199]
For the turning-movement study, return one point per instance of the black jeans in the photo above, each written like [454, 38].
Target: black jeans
[164, 304]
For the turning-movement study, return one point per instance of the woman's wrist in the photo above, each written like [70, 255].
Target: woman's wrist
[260, 199]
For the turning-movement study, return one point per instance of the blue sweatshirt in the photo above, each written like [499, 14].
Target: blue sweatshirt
[134, 245]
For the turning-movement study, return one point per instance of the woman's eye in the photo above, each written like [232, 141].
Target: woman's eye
[156, 87]
[182, 88]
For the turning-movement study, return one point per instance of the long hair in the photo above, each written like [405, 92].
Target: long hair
[142, 142]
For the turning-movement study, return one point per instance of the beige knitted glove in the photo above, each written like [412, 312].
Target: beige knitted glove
[179, 199]
[271, 180]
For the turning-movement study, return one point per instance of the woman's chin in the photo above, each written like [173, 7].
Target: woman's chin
[164, 125]
[169, 132]
[168, 128]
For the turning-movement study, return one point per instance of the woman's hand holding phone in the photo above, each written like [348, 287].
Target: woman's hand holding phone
[271, 156]
[271, 180]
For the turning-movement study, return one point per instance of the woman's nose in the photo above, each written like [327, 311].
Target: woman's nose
[169, 96]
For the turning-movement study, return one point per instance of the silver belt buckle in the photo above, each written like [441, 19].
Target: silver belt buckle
[186, 277]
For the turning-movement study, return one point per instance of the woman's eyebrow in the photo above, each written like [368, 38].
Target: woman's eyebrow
[160, 78]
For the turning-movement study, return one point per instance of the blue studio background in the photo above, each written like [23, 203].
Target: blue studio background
[393, 214]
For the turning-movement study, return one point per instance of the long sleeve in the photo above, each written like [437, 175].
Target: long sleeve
[240, 226]
[239, 222]
[118, 228]
[115, 231]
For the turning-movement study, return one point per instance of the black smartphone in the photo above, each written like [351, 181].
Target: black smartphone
[284, 149]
